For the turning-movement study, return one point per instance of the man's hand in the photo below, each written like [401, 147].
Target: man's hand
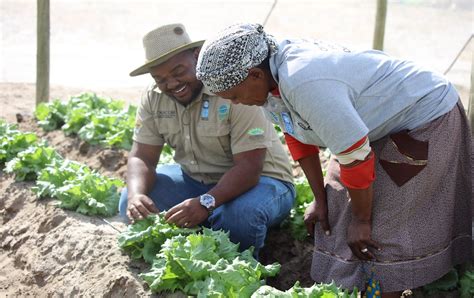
[360, 241]
[317, 212]
[187, 214]
[140, 206]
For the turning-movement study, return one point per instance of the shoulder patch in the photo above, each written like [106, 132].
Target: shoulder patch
[138, 125]
[223, 112]
[257, 131]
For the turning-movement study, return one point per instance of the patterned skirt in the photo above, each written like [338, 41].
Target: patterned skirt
[421, 212]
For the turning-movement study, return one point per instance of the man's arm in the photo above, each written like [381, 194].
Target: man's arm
[241, 177]
[244, 175]
[141, 175]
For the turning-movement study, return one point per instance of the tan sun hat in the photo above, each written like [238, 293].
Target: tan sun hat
[163, 43]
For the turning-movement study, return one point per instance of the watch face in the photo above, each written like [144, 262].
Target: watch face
[207, 201]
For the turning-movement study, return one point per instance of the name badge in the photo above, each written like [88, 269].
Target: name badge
[205, 110]
[287, 122]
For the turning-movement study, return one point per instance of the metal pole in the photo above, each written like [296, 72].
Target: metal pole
[269, 13]
[459, 54]
[42, 52]
[471, 99]
[379, 31]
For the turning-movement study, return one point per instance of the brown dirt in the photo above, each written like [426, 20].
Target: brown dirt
[45, 250]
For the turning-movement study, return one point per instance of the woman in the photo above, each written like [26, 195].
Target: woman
[397, 195]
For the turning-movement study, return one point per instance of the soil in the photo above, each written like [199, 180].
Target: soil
[45, 250]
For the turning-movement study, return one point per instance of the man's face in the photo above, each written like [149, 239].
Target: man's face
[251, 91]
[177, 77]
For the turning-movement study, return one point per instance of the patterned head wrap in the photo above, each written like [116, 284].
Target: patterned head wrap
[224, 61]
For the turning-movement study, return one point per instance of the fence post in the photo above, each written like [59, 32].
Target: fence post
[379, 31]
[471, 99]
[42, 51]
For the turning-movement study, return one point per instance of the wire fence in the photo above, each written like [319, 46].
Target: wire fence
[97, 43]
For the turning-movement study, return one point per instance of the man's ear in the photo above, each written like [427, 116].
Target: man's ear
[256, 73]
[196, 52]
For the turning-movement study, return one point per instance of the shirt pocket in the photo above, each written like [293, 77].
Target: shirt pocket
[170, 130]
[403, 157]
[215, 139]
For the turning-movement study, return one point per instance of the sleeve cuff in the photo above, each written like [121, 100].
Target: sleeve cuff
[360, 175]
[299, 150]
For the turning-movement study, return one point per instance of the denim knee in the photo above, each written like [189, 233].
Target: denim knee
[122, 206]
[249, 216]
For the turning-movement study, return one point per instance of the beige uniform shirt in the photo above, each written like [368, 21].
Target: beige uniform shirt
[206, 134]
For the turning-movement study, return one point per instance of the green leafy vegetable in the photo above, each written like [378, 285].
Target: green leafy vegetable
[95, 119]
[295, 222]
[446, 283]
[144, 238]
[13, 141]
[167, 155]
[79, 188]
[51, 115]
[466, 284]
[317, 290]
[31, 161]
[206, 265]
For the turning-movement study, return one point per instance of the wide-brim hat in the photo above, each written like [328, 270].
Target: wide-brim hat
[163, 43]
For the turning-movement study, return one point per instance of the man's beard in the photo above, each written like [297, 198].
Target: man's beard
[194, 95]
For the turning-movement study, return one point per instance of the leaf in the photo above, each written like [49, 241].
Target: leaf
[207, 265]
[446, 283]
[31, 161]
[466, 284]
[79, 188]
[316, 290]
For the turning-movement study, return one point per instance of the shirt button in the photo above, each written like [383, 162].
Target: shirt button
[193, 162]
[187, 137]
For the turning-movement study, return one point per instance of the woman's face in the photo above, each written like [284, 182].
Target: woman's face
[251, 91]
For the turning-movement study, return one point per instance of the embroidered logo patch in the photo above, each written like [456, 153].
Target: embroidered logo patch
[304, 126]
[166, 114]
[138, 125]
[275, 118]
[205, 110]
[257, 131]
[286, 117]
[223, 112]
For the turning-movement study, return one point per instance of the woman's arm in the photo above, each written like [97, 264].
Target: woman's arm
[308, 158]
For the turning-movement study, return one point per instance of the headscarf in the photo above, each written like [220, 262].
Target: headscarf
[224, 61]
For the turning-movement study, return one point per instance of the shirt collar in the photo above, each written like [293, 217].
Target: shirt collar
[275, 61]
[204, 90]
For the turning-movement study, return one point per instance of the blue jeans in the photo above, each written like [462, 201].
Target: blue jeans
[247, 217]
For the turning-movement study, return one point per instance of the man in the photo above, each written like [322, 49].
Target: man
[232, 172]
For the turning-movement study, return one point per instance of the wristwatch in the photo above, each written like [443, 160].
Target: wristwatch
[208, 202]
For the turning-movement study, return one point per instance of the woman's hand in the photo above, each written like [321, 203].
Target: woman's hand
[359, 239]
[317, 212]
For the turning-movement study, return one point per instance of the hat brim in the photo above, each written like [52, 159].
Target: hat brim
[146, 67]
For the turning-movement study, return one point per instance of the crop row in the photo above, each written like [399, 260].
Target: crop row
[108, 122]
[203, 263]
